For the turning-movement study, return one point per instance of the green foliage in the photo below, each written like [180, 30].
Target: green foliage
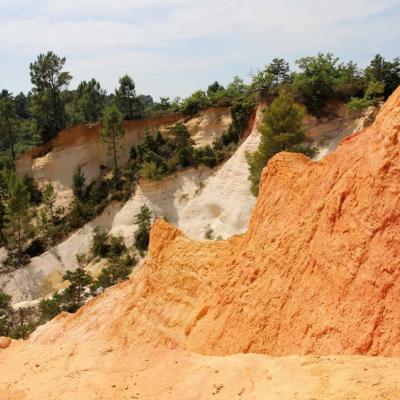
[127, 102]
[69, 299]
[118, 271]
[99, 245]
[357, 104]
[9, 125]
[150, 170]
[316, 80]
[240, 114]
[195, 103]
[350, 81]
[49, 308]
[106, 246]
[75, 294]
[208, 233]
[274, 75]
[5, 314]
[78, 182]
[112, 131]
[48, 101]
[281, 130]
[142, 235]
[48, 217]
[35, 195]
[375, 90]
[385, 72]
[18, 229]
[89, 102]
[207, 156]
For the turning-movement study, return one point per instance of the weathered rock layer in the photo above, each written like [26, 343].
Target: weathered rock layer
[316, 273]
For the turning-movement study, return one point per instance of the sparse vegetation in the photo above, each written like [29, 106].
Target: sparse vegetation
[208, 233]
[281, 131]
[18, 228]
[142, 235]
[29, 221]
[112, 131]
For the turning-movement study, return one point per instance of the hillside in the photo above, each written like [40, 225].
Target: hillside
[321, 234]
[316, 273]
[193, 199]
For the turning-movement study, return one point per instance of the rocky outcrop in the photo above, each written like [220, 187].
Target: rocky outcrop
[193, 199]
[316, 273]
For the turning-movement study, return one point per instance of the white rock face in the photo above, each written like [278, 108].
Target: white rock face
[166, 198]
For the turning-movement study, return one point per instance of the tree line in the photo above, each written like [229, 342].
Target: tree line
[27, 119]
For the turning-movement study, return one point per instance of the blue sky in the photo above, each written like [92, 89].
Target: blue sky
[173, 47]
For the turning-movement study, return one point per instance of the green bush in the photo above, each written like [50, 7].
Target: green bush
[281, 131]
[142, 235]
[118, 271]
[195, 103]
[356, 104]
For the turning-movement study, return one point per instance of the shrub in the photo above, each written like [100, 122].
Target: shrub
[142, 235]
[99, 246]
[150, 170]
[208, 232]
[196, 102]
[356, 104]
[78, 182]
[281, 131]
[206, 155]
[118, 271]
[5, 314]
[116, 247]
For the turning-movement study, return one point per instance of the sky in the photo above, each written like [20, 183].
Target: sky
[174, 47]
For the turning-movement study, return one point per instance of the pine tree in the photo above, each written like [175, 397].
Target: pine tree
[89, 102]
[48, 104]
[281, 131]
[18, 228]
[48, 214]
[112, 131]
[9, 124]
[126, 96]
[78, 182]
[75, 294]
[142, 235]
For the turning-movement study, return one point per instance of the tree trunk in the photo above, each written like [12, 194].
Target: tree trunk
[115, 151]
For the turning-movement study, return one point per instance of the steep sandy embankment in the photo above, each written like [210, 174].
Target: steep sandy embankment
[316, 273]
[191, 199]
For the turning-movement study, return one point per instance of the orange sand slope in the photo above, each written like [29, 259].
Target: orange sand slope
[99, 371]
[316, 273]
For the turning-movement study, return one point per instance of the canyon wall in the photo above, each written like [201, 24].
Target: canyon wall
[317, 272]
[192, 199]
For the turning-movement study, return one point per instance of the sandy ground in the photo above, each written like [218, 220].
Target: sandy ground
[97, 371]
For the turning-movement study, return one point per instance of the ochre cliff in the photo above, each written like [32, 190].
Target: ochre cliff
[81, 145]
[316, 273]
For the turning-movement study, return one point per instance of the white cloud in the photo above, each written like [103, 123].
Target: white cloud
[162, 37]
